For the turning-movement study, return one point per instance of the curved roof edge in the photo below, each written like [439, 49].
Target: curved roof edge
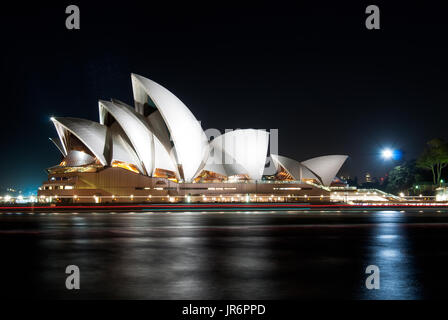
[58, 145]
[296, 169]
[90, 133]
[122, 149]
[326, 167]
[136, 129]
[190, 141]
[290, 165]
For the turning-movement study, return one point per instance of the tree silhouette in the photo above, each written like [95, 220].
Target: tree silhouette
[434, 158]
[401, 177]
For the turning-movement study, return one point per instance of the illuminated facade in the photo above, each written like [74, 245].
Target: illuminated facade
[157, 151]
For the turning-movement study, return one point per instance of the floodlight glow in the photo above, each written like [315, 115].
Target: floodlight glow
[387, 153]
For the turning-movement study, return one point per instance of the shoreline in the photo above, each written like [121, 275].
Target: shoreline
[220, 207]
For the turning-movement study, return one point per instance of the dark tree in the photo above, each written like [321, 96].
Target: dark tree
[401, 177]
[434, 158]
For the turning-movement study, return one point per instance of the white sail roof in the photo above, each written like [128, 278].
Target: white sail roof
[221, 162]
[291, 166]
[136, 129]
[326, 167]
[161, 132]
[78, 158]
[190, 141]
[162, 159]
[242, 148]
[90, 133]
[122, 149]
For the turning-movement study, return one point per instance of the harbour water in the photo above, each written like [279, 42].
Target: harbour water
[223, 255]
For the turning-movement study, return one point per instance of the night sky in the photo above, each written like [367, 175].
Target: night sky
[311, 69]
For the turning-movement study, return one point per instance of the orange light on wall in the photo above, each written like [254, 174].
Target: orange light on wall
[162, 173]
[210, 176]
[124, 165]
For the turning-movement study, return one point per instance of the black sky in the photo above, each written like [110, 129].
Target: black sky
[310, 69]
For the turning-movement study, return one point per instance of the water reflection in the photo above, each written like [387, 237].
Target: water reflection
[195, 255]
[389, 250]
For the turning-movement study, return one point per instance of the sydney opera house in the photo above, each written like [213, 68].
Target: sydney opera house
[157, 151]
